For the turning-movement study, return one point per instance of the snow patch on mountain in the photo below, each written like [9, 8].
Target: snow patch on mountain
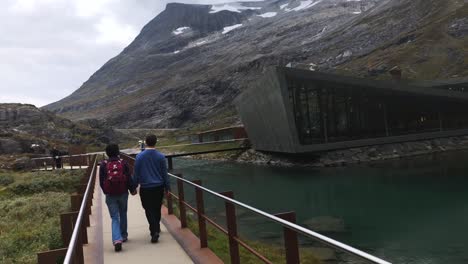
[268, 14]
[180, 30]
[233, 7]
[230, 28]
[303, 5]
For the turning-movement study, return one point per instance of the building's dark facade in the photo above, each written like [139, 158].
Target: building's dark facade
[297, 111]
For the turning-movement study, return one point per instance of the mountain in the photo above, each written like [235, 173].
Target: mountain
[190, 62]
[25, 128]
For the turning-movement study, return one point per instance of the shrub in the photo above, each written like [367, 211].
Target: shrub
[6, 179]
[29, 225]
[47, 182]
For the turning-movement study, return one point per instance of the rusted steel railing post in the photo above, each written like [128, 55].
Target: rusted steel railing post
[170, 208]
[170, 164]
[232, 228]
[75, 206]
[67, 221]
[183, 214]
[201, 215]
[75, 200]
[50, 256]
[290, 239]
[79, 256]
[82, 188]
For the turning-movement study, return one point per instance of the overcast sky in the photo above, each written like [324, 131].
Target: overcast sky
[48, 48]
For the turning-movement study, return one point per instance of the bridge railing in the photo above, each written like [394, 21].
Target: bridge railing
[287, 220]
[73, 224]
[78, 161]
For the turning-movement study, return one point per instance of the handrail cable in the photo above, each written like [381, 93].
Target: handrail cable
[79, 220]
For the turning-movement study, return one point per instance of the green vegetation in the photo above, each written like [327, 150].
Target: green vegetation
[219, 244]
[6, 180]
[31, 204]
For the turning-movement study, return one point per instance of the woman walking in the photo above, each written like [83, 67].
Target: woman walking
[116, 180]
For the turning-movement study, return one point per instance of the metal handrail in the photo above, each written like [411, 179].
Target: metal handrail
[205, 143]
[79, 220]
[66, 156]
[292, 226]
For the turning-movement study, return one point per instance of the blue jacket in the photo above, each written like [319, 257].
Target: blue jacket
[151, 169]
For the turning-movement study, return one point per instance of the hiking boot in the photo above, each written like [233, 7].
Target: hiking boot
[124, 240]
[155, 238]
[118, 247]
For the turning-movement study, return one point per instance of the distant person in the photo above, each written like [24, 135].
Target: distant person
[142, 145]
[116, 180]
[151, 174]
[55, 153]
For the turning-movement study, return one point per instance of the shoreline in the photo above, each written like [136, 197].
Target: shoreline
[344, 157]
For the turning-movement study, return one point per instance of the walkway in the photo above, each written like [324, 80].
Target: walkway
[138, 248]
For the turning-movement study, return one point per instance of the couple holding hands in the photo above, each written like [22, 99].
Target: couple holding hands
[116, 180]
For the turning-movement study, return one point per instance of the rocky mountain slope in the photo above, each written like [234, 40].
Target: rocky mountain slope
[190, 62]
[27, 129]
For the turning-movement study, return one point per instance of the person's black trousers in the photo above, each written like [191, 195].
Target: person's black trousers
[151, 199]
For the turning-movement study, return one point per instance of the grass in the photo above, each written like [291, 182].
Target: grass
[218, 243]
[31, 204]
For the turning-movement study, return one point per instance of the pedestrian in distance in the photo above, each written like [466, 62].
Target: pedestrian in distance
[142, 145]
[116, 181]
[151, 174]
[55, 153]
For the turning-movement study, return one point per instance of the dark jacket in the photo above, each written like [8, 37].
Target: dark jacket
[131, 185]
[55, 153]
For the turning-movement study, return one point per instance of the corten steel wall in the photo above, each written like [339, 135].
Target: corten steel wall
[266, 118]
[267, 113]
[239, 132]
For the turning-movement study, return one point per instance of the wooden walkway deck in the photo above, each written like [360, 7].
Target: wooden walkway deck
[138, 248]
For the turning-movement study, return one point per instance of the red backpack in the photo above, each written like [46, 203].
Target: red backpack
[116, 181]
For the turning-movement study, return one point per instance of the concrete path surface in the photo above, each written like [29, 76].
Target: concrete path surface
[138, 249]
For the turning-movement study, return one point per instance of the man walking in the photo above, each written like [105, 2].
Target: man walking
[151, 175]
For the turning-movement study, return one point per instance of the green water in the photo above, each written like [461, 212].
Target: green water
[405, 211]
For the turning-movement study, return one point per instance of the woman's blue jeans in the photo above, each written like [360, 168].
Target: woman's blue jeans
[117, 205]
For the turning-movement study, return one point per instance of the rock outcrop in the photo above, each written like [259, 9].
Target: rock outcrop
[26, 129]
